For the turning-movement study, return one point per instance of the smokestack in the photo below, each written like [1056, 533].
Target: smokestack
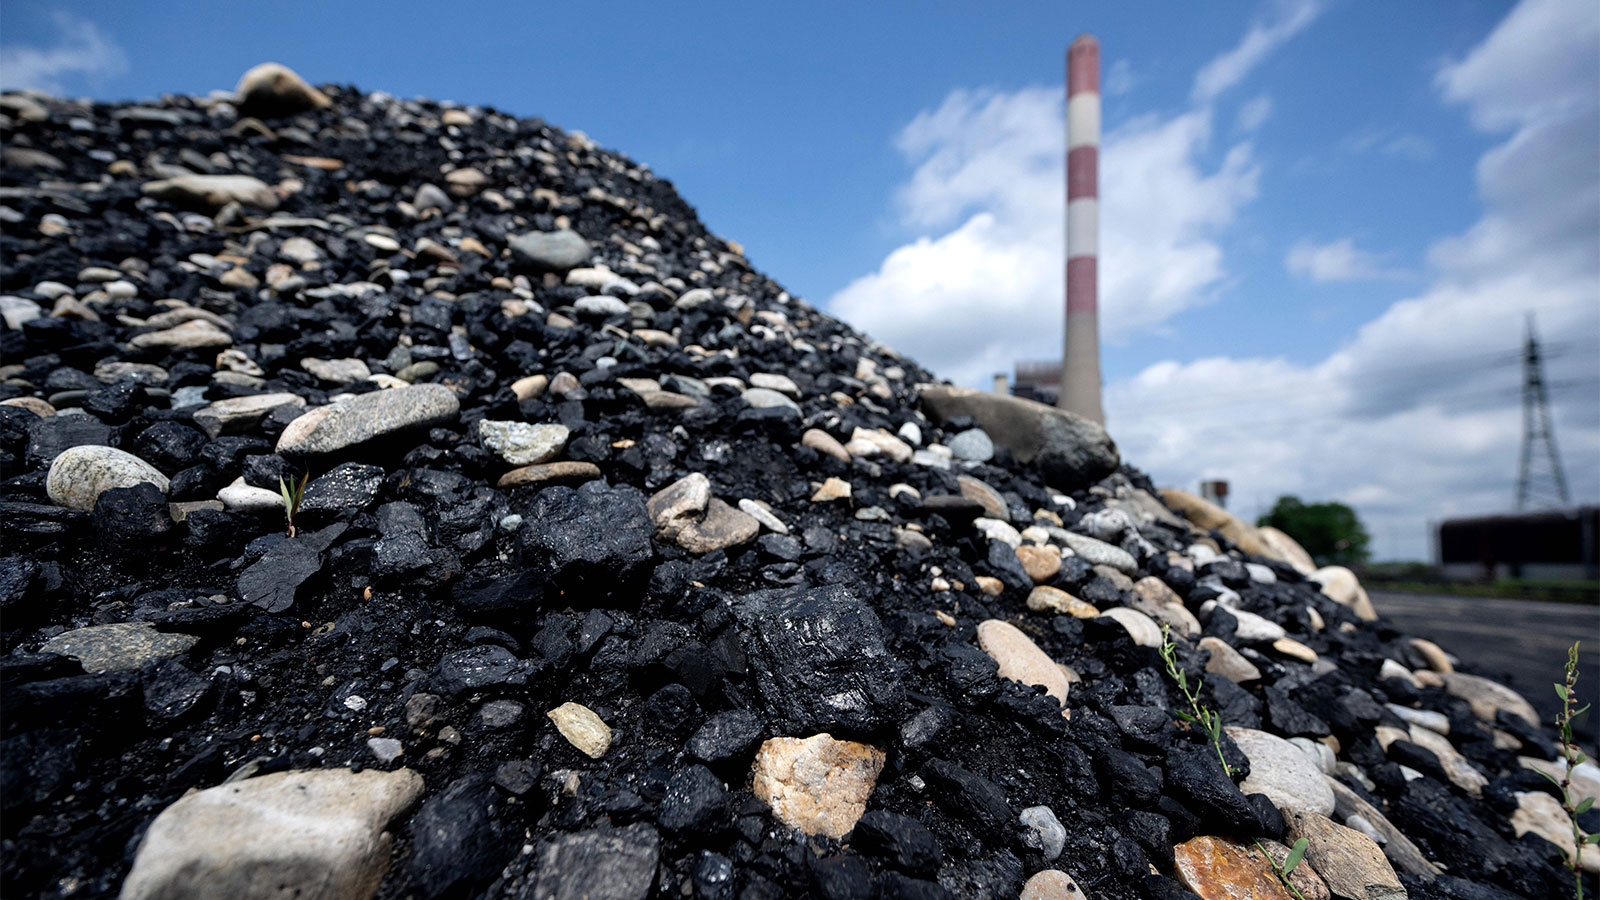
[1001, 384]
[1080, 363]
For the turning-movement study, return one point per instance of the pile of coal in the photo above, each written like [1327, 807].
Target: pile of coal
[403, 499]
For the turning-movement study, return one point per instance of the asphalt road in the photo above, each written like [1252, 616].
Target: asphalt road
[1522, 643]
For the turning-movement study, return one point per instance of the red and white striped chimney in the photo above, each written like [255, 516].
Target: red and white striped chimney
[1080, 364]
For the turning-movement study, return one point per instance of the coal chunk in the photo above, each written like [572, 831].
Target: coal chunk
[726, 735]
[588, 545]
[602, 864]
[902, 841]
[694, 801]
[132, 519]
[967, 795]
[818, 659]
[459, 840]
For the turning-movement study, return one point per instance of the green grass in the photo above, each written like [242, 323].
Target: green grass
[1506, 588]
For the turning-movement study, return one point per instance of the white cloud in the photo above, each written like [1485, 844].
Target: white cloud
[1253, 114]
[1291, 17]
[81, 54]
[1338, 260]
[1120, 79]
[1417, 417]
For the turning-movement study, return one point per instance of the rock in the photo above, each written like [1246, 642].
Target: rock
[79, 475]
[1345, 589]
[329, 429]
[337, 371]
[1051, 884]
[1437, 659]
[498, 714]
[818, 659]
[196, 334]
[972, 444]
[1541, 814]
[1048, 599]
[601, 864]
[1207, 516]
[210, 193]
[385, 750]
[1287, 549]
[271, 581]
[817, 784]
[1215, 868]
[1071, 451]
[673, 507]
[763, 515]
[476, 668]
[239, 414]
[132, 521]
[550, 251]
[994, 505]
[1040, 562]
[592, 543]
[1100, 553]
[722, 526]
[522, 444]
[1487, 697]
[1279, 770]
[32, 404]
[346, 488]
[458, 843]
[318, 833]
[1044, 832]
[1304, 878]
[823, 442]
[1144, 631]
[1254, 629]
[582, 728]
[270, 90]
[1228, 662]
[17, 310]
[600, 307]
[694, 802]
[569, 472]
[1020, 659]
[1348, 861]
[832, 489]
[1295, 650]
[764, 398]
[118, 647]
[243, 498]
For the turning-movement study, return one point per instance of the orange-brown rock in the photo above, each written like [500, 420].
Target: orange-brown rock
[816, 784]
[1216, 868]
[1041, 562]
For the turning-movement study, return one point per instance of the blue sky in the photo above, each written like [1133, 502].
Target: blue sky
[1305, 213]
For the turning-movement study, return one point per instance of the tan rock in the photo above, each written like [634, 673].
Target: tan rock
[1434, 655]
[271, 89]
[1152, 597]
[312, 834]
[1584, 778]
[1215, 868]
[1208, 515]
[1040, 562]
[823, 442]
[1397, 847]
[990, 585]
[1488, 697]
[1348, 861]
[817, 784]
[1287, 549]
[530, 386]
[1345, 589]
[192, 335]
[1143, 629]
[722, 526]
[1294, 650]
[582, 728]
[832, 489]
[994, 506]
[1462, 773]
[1054, 600]
[566, 471]
[1542, 814]
[1053, 884]
[674, 506]
[1228, 662]
[1304, 878]
[32, 404]
[1020, 658]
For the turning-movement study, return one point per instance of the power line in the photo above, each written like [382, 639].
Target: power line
[1539, 477]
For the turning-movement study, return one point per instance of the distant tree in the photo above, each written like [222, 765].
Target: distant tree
[1330, 532]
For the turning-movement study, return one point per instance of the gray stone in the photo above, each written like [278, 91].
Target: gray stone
[1285, 774]
[1071, 450]
[555, 251]
[521, 443]
[602, 864]
[722, 526]
[364, 417]
[1488, 697]
[766, 398]
[195, 334]
[1100, 553]
[271, 89]
[337, 371]
[118, 647]
[237, 414]
[1228, 662]
[972, 444]
[79, 475]
[385, 750]
[212, 192]
[1045, 832]
[600, 307]
[318, 835]
[1350, 863]
[17, 310]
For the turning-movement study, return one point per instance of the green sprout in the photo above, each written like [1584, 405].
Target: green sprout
[293, 493]
[1573, 758]
[1296, 853]
[1198, 714]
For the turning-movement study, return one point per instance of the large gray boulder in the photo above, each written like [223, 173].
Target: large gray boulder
[316, 835]
[1071, 450]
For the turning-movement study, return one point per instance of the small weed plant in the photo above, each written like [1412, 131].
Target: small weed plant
[1573, 757]
[1290, 862]
[293, 492]
[1197, 713]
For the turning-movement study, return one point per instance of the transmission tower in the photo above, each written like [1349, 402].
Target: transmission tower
[1540, 482]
